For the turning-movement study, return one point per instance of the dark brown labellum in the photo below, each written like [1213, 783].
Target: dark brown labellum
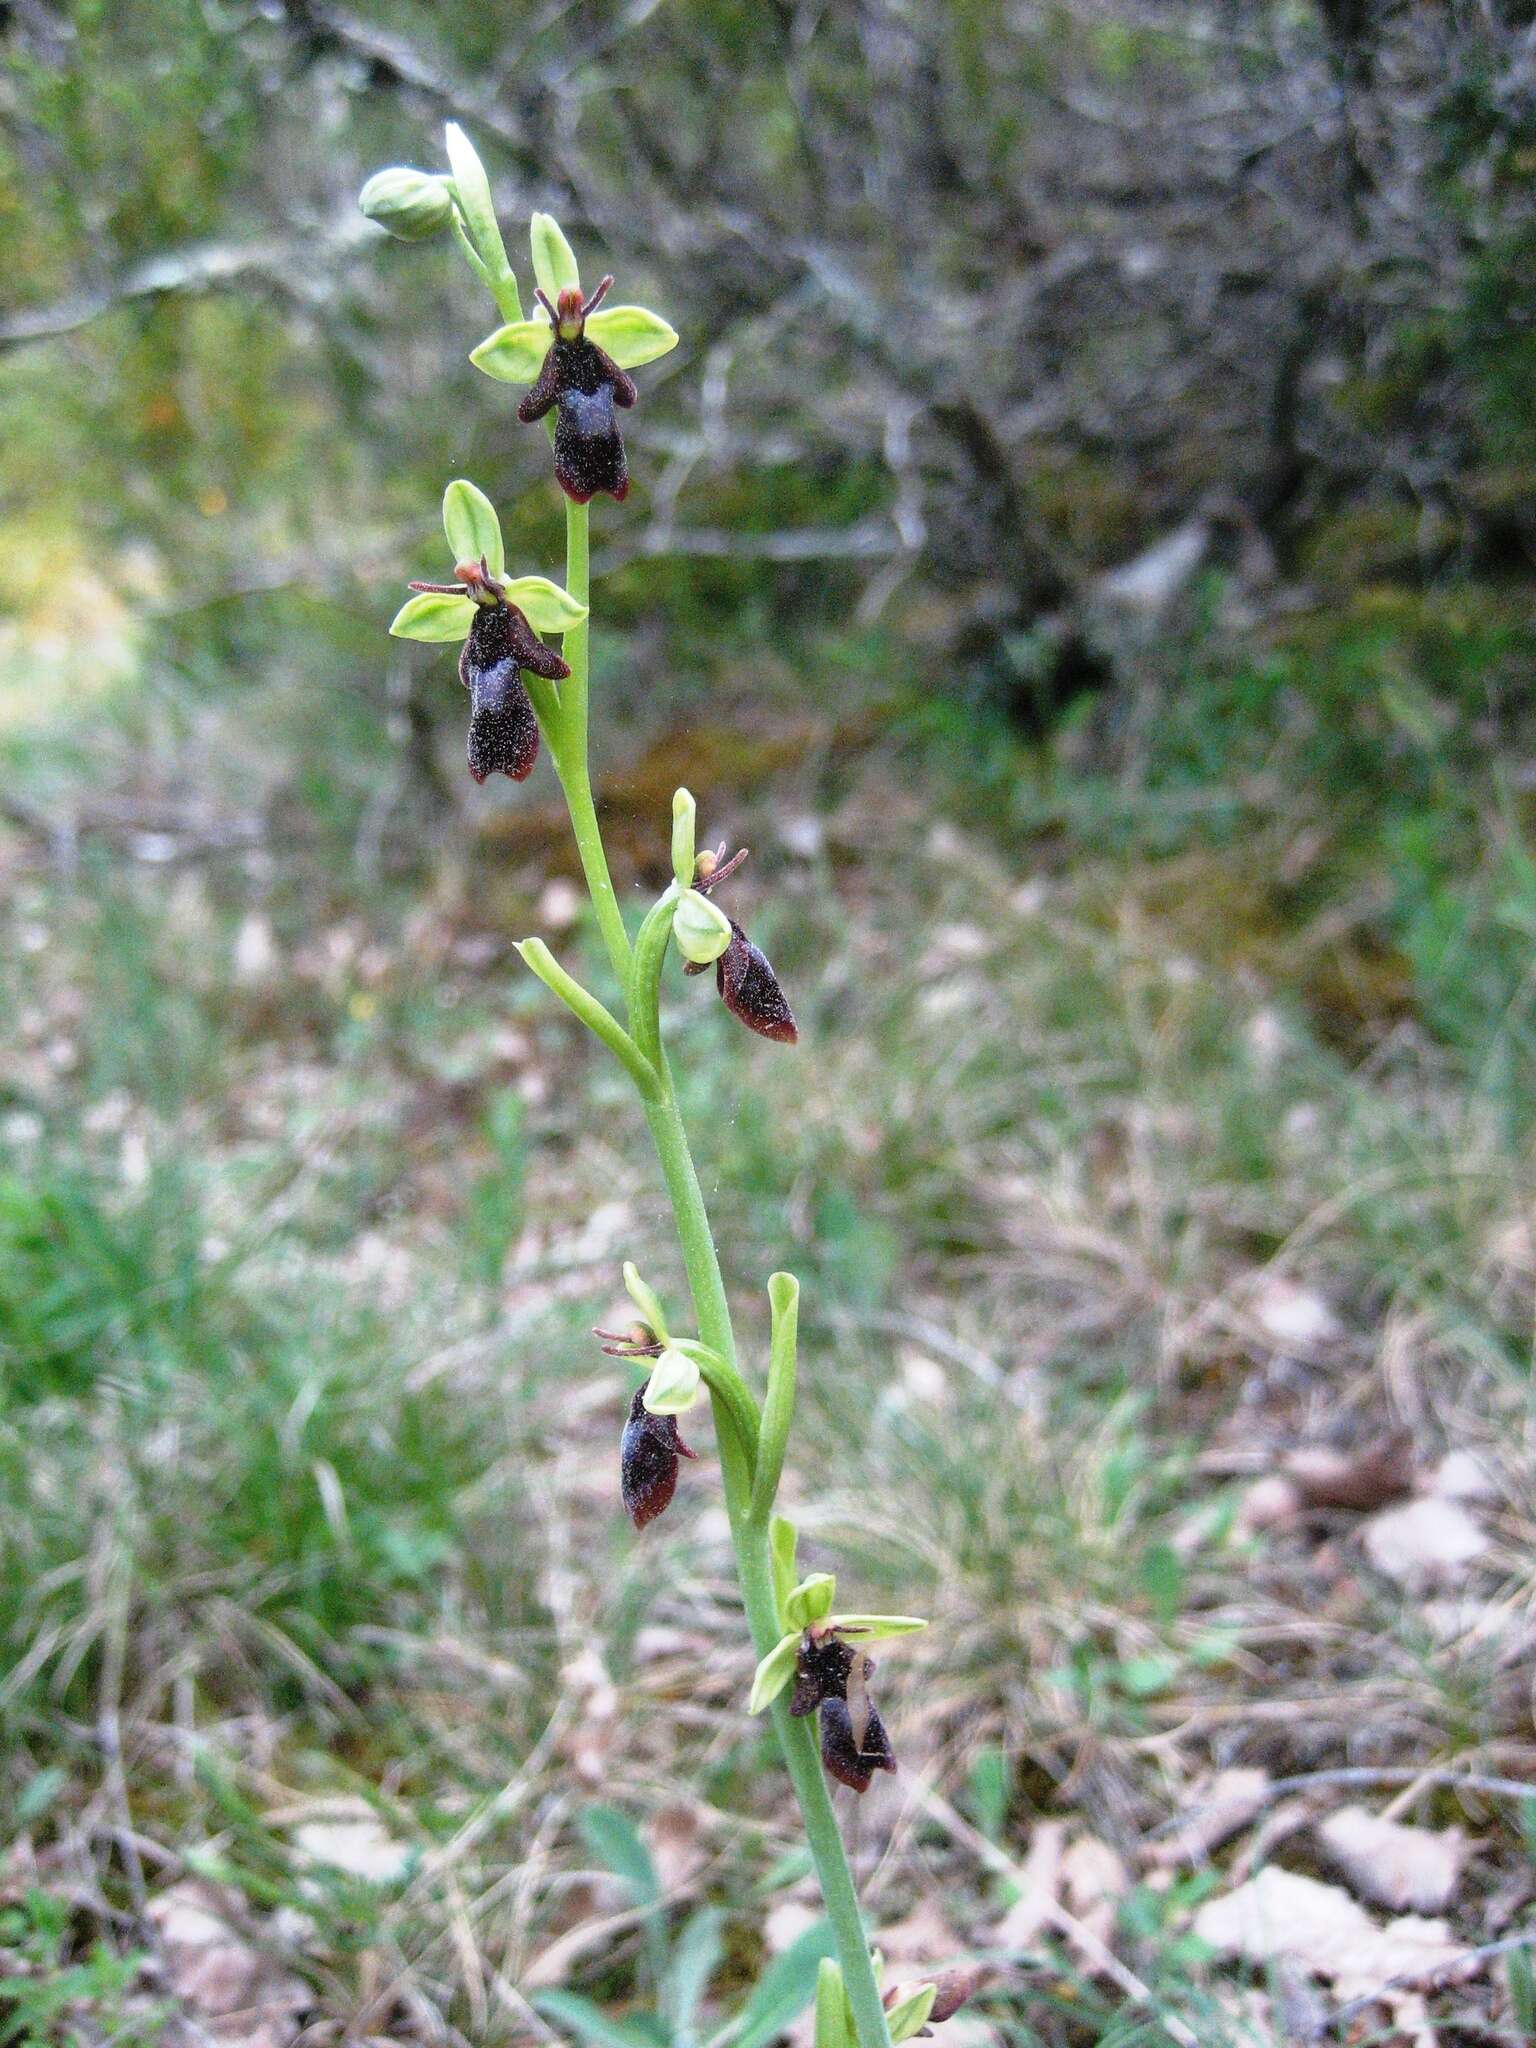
[821, 1672]
[503, 730]
[586, 385]
[648, 1455]
[750, 989]
[853, 1763]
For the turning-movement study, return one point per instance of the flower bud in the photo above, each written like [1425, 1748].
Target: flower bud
[684, 822]
[701, 929]
[410, 205]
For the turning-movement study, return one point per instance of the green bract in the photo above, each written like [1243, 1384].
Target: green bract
[774, 1672]
[810, 1601]
[554, 260]
[631, 335]
[674, 1384]
[473, 530]
[783, 1542]
[472, 195]
[702, 931]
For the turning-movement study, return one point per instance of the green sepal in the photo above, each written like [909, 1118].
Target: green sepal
[645, 1300]
[774, 1672]
[909, 2015]
[430, 615]
[546, 607]
[673, 1386]
[631, 335]
[473, 530]
[701, 928]
[810, 1601]
[875, 1625]
[514, 354]
[554, 260]
[684, 833]
[783, 1542]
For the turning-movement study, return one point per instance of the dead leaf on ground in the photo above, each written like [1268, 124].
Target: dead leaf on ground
[1361, 1479]
[1405, 1868]
[1216, 1810]
[1094, 1880]
[1280, 1914]
[242, 1997]
[1426, 1543]
[1041, 1873]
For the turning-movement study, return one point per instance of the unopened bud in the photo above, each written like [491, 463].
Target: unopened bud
[702, 931]
[410, 205]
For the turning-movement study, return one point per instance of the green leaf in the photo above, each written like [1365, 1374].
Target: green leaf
[612, 1838]
[473, 530]
[811, 1600]
[514, 354]
[547, 608]
[673, 1386]
[645, 1299]
[774, 1672]
[785, 1988]
[631, 335]
[908, 2015]
[783, 1542]
[554, 260]
[589, 2022]
[695, 1956]
[876, 1625]
[431, 616]
[40, 1792]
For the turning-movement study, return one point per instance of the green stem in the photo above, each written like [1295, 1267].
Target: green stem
[568, 745]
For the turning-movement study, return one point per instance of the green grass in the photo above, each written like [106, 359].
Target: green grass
[307, 1464]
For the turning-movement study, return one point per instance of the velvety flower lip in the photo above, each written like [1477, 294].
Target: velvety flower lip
[821, 1671]
[586, 385]
[648, 1455]
[503, 727]
[846, 1755]
[744, 975]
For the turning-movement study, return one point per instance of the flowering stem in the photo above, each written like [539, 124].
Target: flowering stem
[748, 1490]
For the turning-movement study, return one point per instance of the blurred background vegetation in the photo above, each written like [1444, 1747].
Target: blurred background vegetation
[1083, 544]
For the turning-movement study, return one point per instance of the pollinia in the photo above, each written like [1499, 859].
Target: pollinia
[574, 355]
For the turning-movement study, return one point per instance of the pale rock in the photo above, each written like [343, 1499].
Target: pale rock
[361, 1849]
[1293, 1317]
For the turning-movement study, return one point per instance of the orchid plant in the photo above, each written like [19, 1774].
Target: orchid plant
[575, 352]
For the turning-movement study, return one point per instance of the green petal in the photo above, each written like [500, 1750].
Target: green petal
[554, 260]
[909, 2015]
[546, 607]
[810, 1601]
[774, 1673]
[431, 616]
[473, 530]
[514, 354]
[874, 1625]
[631, 335]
